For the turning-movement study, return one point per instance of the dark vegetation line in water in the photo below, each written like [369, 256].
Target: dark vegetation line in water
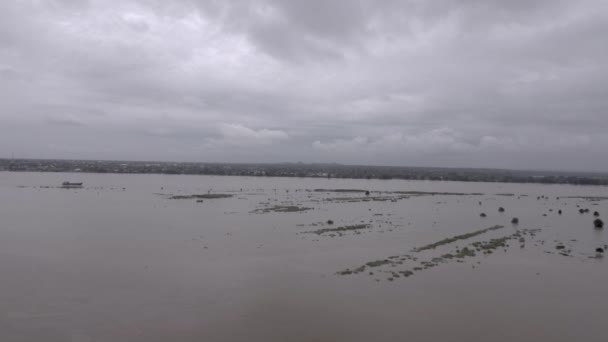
[363, 199]
[385, 196]
[280, 209]
[306, 170]
[431, 193]
[341, 190]
[340, 229]
[409, 192]
[456, 238]
[458, 255]
[201, 196]
[589, 198]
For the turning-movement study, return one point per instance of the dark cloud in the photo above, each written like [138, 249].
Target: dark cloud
[450, 83]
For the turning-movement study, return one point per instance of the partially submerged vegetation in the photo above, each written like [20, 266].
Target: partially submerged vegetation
[281, 209]
[384, 196]
[341, 190]
[456, 238]
[366, 198]
[472, 245]
[201, 196]
[589, 198]
[391, 261]
[488, 246]
[458, 255]
[430, 193]
[340, 230]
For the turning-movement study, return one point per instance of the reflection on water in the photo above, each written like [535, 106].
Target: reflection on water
[119, 260]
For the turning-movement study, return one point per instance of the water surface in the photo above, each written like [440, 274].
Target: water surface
[120, 261]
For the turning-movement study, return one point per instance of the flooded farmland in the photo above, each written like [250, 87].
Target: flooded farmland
[211, 258]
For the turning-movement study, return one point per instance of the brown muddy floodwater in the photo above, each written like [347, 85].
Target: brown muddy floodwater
[138, 258]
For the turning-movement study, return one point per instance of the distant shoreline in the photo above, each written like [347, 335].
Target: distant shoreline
[306, 171]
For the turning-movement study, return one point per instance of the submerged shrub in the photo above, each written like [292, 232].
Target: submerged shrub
[598, 223]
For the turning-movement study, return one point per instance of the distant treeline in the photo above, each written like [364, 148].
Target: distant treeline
[306, 170]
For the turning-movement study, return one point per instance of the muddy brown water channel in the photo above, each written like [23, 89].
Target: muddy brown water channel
[209, 258]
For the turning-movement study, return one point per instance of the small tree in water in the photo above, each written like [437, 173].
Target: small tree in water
[598, 223]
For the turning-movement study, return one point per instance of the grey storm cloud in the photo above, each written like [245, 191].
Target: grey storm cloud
[514, 84]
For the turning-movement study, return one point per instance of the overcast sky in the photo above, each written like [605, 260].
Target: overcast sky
[470, 83]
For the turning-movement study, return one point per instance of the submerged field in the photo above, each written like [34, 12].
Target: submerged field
[210, 258]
